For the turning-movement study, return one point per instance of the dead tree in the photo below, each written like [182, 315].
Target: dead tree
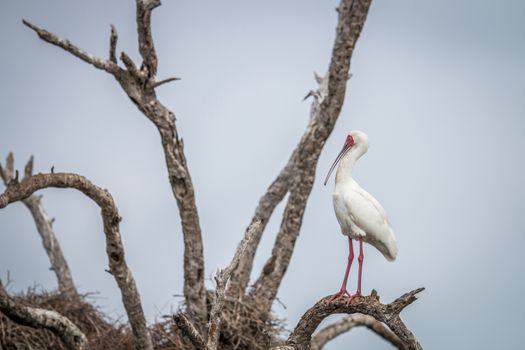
[236, 315]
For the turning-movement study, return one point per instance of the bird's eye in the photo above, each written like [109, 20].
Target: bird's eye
[349, 140]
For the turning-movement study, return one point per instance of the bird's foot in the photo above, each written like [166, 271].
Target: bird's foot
[352, 297]
[342, 293]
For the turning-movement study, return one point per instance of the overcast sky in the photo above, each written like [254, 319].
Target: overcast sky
[437, 85]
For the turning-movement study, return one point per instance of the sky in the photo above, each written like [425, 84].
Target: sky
[437, 86]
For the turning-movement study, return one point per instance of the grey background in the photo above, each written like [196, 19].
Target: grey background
[438, 87]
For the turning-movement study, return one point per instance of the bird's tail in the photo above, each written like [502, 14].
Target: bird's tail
[387, 245]
[390, 252]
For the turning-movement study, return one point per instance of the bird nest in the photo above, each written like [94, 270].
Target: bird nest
[100, 331]
[243, 326]
[246, 326]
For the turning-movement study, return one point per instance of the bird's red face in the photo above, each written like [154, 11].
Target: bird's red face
[349, 142]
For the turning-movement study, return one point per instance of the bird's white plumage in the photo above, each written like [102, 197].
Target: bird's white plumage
[359, 214]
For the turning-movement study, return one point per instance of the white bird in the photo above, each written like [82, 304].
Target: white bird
[360, 215]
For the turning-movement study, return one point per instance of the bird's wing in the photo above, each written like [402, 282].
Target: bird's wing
[368, 213]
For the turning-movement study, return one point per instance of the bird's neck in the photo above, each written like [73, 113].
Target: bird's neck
[346, 165]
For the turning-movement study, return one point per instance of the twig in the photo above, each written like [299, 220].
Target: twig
[40, 318]
[113, 45]
[114, 248]
[28, 169]
[222, 279]
[165, 81]
[300, 338]
[8, 171]
[344, 325]
[324, 112]
[51, 38]
[44, 227]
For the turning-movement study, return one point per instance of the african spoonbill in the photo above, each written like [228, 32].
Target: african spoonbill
[360, 215]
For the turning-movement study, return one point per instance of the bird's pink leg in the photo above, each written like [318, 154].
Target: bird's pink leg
[343, 291]
[360, 260]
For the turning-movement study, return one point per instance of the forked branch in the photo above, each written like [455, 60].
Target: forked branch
[325, 110]
[139, 83]
[17, 191]
[301, 337]
[44, 226]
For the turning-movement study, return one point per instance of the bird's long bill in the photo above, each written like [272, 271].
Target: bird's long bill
[346, 147]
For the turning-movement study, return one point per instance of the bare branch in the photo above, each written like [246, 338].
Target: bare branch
[51, 38]
[165, 81]
[139, 85]
[40, 318]
[182, 187]
[300, 338]
[114, 248]
[59, 265]
[222, 279]
[324, 112]
[2, 174]
[309, 94]
[113, 45]
[28, 169]
[185, 325]
[146, 47]
[318, 78]
[130, 65]
[344, 325]
[8, 171]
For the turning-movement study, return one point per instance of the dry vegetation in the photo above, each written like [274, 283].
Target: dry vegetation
[236, 315]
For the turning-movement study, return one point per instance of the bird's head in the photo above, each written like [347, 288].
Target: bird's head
[353, 139]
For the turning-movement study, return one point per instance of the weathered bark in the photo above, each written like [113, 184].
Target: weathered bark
[186, 326]
[40, 318]
[300, 338]
[44, 226]
[17, 191]
[327, 104]
[346, 324]
[139, 84]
